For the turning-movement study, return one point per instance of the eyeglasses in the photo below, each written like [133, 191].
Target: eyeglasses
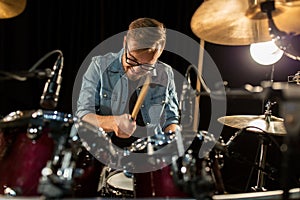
[134, 63]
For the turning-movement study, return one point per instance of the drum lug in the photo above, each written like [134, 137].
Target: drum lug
[33, 132]
[9, 192]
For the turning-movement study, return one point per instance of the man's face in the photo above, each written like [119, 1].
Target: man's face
[137, 63]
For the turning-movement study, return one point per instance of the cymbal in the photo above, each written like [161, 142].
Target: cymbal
[255, 123]
[11, 8]
[235, 22]
[16, 119]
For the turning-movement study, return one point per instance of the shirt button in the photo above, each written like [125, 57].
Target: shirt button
[143, 106]
[105, 95]
[147, 123]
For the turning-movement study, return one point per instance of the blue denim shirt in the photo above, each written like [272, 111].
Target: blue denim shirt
[104, 91]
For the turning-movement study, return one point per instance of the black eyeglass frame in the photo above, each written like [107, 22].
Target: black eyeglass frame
[135, 63]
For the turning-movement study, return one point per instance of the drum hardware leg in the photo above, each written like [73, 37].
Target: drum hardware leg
[216, 174]
[152, 184]
[57, 177]
[10, 192]
[185, 175]
[262, 164]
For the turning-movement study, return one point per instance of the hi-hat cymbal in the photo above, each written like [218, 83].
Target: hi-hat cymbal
[11, 8]
[255, 123]
[240, 22]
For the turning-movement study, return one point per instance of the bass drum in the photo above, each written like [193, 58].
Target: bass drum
[26, 146]
[86, 184]
[33, 143]
[156, 184]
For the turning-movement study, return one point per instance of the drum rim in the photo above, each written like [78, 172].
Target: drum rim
[117, 175]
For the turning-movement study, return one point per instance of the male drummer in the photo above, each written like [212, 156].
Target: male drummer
[111, 87]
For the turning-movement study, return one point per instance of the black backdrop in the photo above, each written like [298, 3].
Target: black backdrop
[76, 27]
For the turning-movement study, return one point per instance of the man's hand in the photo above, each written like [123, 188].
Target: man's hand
[122, 125]
[125, 126]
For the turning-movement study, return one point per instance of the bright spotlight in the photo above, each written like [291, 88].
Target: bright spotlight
[265, 53]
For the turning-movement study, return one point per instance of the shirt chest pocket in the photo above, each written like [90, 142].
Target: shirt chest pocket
[108, 95]
[158, 99]
[156, 106]
[158, 95]
[107, 100]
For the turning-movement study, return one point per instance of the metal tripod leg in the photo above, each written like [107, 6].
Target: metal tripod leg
[262, 163]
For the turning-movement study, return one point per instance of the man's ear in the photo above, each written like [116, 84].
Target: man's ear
[124, 41]
[158, 52]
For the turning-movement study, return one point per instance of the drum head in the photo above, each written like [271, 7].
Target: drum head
[120, 182]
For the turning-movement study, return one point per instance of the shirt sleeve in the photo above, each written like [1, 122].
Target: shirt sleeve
[172, 105]
[88, 99]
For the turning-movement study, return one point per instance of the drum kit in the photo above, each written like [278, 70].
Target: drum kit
[42, 154]
[45, 152]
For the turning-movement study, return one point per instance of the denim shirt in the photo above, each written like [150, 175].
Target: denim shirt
[104, 91]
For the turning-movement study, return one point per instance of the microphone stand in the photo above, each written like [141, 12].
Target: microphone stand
[24, 75]
[49, 97]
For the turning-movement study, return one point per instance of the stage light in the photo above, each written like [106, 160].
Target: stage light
[265, 53]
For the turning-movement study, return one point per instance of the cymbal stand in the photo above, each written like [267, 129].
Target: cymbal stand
[264, 142]
[262, 163]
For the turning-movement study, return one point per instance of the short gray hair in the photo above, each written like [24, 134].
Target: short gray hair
[147, 33]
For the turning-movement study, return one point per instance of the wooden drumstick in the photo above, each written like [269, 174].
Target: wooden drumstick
[141, 98]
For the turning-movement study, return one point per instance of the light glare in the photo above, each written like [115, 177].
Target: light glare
[265, 53]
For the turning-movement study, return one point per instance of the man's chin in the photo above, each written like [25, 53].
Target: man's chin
[134, 77]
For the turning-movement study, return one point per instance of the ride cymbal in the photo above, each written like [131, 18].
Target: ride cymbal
[11, 8]
[240, 22]
[255, 123]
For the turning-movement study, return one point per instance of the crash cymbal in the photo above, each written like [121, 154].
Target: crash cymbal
[11, 8]
[255, 123]
[240, 22]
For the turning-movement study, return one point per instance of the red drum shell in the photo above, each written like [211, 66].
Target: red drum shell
[22, 161]
[158, 183]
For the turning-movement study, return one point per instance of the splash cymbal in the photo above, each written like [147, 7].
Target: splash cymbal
[240, 22]
[11, 8]
[255, 123]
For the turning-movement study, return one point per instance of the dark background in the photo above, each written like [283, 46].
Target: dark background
[76, 27]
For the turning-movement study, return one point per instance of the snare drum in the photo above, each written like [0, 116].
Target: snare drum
[119, 185]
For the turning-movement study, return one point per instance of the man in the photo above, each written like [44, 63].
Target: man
[112, 84]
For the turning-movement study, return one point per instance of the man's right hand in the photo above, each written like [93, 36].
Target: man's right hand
[125, 126]
[122, 125]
